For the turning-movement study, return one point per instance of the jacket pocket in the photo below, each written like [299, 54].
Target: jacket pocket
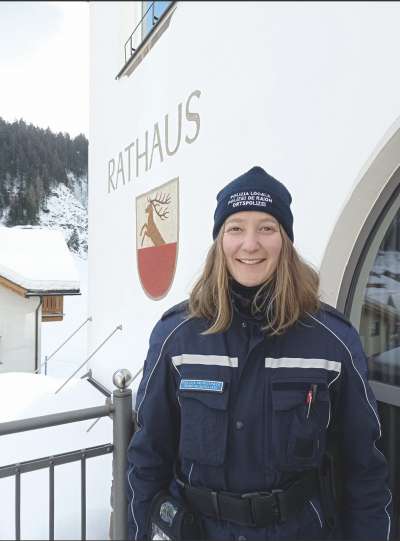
[204, 426]
[299, 431]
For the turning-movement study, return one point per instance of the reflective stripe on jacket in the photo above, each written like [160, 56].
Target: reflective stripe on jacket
[232, 407]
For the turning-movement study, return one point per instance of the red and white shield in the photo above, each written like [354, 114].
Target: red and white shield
[157, 221]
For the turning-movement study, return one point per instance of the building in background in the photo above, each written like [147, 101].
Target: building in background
[186, 96]
[36, 271]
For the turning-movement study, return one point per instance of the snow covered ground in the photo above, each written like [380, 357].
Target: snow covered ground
[27, 395]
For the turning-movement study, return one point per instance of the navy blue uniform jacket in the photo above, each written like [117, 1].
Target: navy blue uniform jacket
[254, 434]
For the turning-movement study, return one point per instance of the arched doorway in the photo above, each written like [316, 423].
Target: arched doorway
[360, 274]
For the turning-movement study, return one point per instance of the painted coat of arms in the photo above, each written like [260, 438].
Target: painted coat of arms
[157, 222]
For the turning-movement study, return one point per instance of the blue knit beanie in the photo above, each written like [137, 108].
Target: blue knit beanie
[254, 190]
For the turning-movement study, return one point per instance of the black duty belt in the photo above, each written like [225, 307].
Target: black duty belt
[257, 509]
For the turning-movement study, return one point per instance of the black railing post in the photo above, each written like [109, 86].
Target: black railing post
[18, 503]
[83, 496]
[122, 432]
[51, 500]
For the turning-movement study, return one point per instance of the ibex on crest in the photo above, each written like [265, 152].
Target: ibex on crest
[150, 228]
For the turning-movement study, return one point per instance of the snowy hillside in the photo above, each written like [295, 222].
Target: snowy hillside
[44, 181]
[65, 209]
[79, 186]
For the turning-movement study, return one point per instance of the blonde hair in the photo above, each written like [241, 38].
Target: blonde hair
[292, 290]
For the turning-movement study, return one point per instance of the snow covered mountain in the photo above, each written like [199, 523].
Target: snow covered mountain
[66, 209]
[43, 181]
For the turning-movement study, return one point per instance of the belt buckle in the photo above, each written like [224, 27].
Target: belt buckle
[276, 504]
[279, 508]
[250, 497]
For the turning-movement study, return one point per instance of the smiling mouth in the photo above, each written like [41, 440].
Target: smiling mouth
[251, 261]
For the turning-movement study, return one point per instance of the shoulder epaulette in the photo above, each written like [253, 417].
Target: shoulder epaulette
[335, 312]
[181, 307]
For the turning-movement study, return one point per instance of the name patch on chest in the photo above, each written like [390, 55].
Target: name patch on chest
[201, 385]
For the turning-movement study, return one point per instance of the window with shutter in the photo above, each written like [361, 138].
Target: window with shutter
[52, 308]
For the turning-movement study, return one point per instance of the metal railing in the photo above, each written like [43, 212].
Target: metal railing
[48, 357]
[120, 410]
[129, 49]
[117, 328]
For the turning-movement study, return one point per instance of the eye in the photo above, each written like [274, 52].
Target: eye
[233, 229]
[268, 228]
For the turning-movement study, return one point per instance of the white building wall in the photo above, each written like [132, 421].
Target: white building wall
[307, 90]
[17, 332]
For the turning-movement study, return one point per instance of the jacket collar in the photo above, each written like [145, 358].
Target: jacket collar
[242, 298]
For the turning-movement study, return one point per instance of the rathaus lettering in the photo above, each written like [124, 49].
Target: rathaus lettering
[163, 140]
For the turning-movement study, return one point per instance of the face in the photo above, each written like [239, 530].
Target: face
[252, 243]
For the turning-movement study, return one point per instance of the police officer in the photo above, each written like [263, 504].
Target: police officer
[243, 387]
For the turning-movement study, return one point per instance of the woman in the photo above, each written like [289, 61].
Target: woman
[242, 387]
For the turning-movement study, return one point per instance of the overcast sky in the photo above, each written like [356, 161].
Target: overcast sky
[44, 64]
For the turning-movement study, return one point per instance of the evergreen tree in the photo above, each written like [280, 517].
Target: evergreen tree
[32, 162]
[73, 242]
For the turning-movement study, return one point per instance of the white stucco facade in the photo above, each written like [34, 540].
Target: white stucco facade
[34, 263]
[17, 331]
[310, 91]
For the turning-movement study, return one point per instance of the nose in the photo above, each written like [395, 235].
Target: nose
[250, 242]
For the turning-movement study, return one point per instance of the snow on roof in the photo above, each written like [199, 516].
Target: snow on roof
[37, 259]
